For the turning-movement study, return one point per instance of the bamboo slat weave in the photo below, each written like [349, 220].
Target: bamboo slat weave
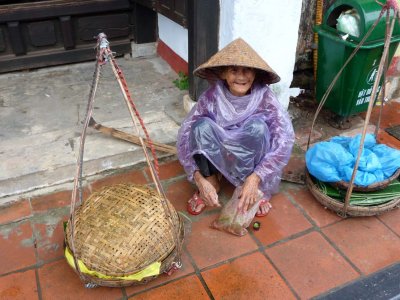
[237, 53]
[122, 229]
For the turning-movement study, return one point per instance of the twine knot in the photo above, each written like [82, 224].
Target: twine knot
[393, 4]
[390, 4]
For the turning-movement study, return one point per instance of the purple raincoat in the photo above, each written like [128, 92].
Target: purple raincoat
[238, 135]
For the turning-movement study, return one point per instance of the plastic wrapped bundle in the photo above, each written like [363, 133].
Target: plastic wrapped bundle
[333, 161]
[232, 219]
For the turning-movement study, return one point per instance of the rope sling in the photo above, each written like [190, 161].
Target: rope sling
[104, 55]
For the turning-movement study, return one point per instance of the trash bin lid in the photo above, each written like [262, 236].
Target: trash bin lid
[368, 11]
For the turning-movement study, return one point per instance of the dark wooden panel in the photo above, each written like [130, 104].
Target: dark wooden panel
[176, 10]
[17, 43]
[181, 8]
[145, 24]
[203, 31]
[42, 33]
[2, 40]
[34, 42]
[146, 3]
[11, 63]
[116, 26]
[67, 32]
[57, 8]
[168, 4]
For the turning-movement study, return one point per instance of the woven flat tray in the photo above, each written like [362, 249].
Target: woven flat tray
[165, 265]
[122, 229]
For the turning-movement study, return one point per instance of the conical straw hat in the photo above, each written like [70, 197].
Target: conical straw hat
[237, 53]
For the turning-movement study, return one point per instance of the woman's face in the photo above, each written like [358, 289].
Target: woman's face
[239, 79]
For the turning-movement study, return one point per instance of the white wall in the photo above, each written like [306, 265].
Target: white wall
[174, 36]
[271, 28]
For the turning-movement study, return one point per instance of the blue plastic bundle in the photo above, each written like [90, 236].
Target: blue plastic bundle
[334, 160]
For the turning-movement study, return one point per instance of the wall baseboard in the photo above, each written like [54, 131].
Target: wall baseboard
[177, 63]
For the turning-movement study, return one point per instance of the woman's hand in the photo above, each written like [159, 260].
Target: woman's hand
[249, 193]
[207, 191]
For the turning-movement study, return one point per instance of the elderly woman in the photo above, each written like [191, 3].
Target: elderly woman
[237, 129]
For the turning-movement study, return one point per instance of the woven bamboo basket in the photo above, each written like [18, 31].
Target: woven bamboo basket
[120, 230]
[355, 211]
[370, 188]
[124, 234]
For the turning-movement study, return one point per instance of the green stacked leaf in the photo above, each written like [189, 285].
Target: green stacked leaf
[391, 192]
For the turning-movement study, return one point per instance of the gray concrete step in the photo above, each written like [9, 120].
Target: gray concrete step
[41, 113]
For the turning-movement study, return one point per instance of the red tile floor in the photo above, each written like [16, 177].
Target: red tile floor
[302, 250]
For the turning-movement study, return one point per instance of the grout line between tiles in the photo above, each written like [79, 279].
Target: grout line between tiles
[38, 285]
[198, 274]
[171, 180]
[38, 262]
[280, 274]
[158, 285]
[387, 226]
[318, 229]
[256, 240]
[205, 286]
[341, 253]
[290, 238]
[300, 208]
[165, 283]
[24, 218]
[124, 295]
[22, 270]
[229, 260]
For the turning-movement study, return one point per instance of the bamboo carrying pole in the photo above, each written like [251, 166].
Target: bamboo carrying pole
[384, 58]
[108, 56]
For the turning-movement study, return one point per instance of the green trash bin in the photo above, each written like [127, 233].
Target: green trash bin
[352, 91]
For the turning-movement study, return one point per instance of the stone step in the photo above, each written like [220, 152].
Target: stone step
[49, 160]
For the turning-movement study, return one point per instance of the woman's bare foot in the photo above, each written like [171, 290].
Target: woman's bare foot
[213, 179]
[263, 208]
[208, 188]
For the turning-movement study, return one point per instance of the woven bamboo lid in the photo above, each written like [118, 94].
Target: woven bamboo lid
[237, 53]
[122, 229]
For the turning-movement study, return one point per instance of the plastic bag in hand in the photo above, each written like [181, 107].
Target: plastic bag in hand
[232, 219]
